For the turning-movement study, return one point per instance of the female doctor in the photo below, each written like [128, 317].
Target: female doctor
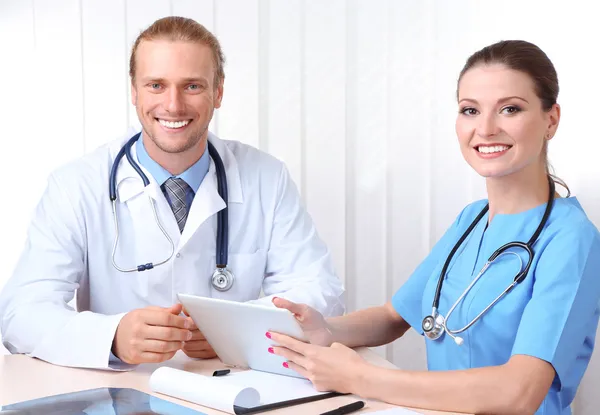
[527, 352]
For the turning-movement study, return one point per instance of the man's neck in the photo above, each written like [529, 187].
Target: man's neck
[174, 163]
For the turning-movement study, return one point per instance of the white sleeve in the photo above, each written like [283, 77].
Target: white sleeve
[36, 318]
[299, 266]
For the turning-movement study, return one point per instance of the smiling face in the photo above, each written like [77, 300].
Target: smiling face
[501, 126]
[174, 94]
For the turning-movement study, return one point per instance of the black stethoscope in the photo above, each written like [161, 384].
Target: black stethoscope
[434, 325]
[222, 278]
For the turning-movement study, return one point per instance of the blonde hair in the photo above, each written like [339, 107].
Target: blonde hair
[175, 28]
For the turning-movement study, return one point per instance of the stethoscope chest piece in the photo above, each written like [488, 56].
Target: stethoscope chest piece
[222, 279]
[433, 327]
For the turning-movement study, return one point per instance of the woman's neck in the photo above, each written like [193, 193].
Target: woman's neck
[517, 192]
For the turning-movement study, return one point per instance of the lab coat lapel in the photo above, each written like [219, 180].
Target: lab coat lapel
[207, 203]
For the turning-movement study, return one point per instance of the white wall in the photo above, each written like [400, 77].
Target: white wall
[357, 97]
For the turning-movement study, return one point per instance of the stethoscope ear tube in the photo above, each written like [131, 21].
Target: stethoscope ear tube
[135, 166]
[438, 290]
[112, 180]
[507, 246]
[521, 275]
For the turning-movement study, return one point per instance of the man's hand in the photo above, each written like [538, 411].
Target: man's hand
[151, 334]
[197, 347]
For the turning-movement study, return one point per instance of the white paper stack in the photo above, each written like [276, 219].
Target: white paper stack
[247, 389]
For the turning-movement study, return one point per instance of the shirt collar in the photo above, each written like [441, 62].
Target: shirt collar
[193, 176]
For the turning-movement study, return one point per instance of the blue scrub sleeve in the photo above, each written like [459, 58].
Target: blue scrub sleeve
[408, 300]
[559, 322]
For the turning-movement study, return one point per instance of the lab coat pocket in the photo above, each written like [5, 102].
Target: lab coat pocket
[249, 271]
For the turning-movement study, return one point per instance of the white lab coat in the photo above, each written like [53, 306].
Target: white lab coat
[273, 246]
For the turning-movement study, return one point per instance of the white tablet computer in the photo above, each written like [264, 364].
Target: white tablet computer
[237, 331]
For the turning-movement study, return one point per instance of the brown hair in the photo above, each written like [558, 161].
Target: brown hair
[528, 58]
[175, 28]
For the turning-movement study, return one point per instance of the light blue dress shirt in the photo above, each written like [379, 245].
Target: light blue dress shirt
[193, 176]
[552, 315]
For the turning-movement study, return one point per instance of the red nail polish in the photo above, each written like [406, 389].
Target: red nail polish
[285, 364]
[268, 335]
[271, 350]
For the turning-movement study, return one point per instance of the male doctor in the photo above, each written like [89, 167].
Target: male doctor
[127, 318]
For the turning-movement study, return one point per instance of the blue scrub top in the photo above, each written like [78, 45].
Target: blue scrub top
[552, 315]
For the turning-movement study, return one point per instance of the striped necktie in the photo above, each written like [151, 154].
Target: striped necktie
[176, 192]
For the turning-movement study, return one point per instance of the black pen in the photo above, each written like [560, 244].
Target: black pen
[346, 409]
[221, 372]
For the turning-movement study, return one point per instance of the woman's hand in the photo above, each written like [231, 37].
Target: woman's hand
[312, 322]
[335, 368]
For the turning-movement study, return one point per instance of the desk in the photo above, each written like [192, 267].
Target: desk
[23, 378]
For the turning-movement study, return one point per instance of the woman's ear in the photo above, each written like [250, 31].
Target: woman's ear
[553, 121]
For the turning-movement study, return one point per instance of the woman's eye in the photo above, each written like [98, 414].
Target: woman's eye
[510, 110]
[468, 111]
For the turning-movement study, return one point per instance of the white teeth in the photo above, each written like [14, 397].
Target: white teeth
[174, 124]
[492, 149]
